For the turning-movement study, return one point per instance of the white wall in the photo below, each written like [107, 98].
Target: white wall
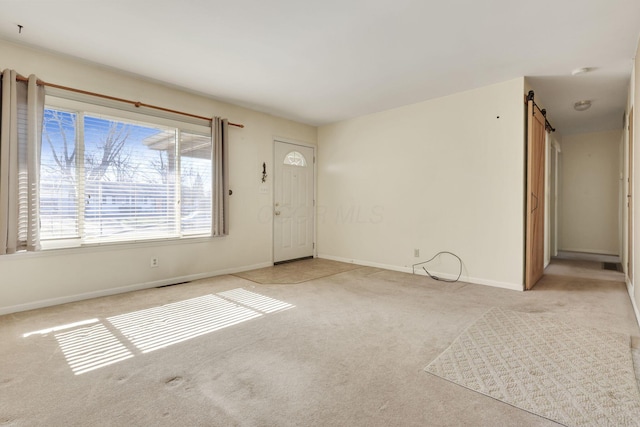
[553, 192]
[590, 191]
[29, 280]
[445, 174]
[634, 101]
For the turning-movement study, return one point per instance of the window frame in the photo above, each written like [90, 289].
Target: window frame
[82, 105]
[296, 156]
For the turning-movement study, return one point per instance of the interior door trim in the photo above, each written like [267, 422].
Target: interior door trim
[290, 141]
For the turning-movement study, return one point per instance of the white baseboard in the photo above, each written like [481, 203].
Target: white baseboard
[119, 290]
[474, 280]
[589, 251]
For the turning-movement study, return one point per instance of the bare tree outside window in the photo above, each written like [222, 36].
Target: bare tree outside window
[110, 155]
[59, 131]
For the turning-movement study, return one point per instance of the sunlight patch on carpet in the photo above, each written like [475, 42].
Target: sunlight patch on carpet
[91, 347]
[95, 343]
[159, 327]
[573, 375]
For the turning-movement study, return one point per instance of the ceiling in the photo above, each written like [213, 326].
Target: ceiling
[324, 61]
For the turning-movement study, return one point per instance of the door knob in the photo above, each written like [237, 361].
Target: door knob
[277, 212]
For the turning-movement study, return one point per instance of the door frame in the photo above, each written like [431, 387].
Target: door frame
[276, 140]
[554, 185]
[629, 195]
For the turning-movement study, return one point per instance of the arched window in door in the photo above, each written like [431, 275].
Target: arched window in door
[294, 158]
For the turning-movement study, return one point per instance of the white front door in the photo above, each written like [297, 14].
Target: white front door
[293, 210]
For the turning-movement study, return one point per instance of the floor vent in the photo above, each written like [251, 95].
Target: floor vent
[171, 284]
[613, 266]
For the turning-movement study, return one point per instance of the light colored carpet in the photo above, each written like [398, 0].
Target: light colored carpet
[583, 269]
[573, 375]
[343, 350]
[636, 363]
[297, 271]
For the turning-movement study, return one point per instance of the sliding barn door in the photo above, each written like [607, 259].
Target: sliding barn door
[536, 136]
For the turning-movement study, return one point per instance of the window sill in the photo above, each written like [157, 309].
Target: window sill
[114, 246]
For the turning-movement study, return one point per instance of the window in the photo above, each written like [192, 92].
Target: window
[294, 158]
[110, 175]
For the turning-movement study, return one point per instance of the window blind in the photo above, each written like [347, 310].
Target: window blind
[109, 178]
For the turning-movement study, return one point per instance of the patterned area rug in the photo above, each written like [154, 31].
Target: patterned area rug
[573, 375]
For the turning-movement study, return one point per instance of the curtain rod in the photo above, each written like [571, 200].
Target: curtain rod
[547, 125]
[127, 101]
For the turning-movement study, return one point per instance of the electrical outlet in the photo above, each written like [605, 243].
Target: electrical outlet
[154, 262]
[416, 253]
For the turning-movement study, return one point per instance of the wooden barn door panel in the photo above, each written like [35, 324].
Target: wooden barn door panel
[534, 239]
